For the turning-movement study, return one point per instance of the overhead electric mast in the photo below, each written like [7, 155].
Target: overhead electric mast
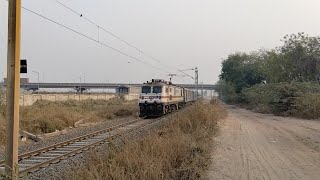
[196, 77]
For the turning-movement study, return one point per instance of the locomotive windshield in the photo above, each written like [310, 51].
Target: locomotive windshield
[146, 89]
[157, 89]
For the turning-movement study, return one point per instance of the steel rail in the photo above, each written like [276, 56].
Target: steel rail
[64, 143]
[79, 150]
[76, 148]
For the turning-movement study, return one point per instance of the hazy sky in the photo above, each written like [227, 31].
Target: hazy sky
[181, 34]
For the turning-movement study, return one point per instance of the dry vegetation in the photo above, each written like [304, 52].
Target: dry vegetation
[178, 150]
[2, 131]
[46, 116]
[2, 119]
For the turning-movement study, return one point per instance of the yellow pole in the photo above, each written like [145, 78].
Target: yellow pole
[13, 87]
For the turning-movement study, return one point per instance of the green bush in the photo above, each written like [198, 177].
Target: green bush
[298, 99]
[227, 92]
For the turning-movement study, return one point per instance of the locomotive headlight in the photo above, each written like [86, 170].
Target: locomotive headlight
[159, 107]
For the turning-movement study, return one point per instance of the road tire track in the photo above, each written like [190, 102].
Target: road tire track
[259, 146]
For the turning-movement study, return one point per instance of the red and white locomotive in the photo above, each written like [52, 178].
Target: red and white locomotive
[160, 97]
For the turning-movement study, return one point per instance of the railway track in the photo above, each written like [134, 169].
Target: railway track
[35, 160]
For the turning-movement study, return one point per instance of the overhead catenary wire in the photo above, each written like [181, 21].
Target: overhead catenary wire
[81, 15]
[98, 41]
[92, 39]
[105, 30]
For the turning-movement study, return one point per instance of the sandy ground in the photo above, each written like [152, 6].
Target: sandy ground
[259, 146]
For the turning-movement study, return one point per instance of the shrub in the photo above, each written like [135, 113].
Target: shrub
[227, 92]
[297, 99]
[308, 106]
[47, 126]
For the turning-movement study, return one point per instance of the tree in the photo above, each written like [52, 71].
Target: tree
[242, 70]
[303, 53]
[276, 67]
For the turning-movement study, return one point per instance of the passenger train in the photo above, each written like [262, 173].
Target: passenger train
[160, 97]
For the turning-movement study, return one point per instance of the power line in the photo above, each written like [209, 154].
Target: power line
[105, 30]
[76, 12]
[90, 38]
[101, 43]
[185, 74]
[119, 38]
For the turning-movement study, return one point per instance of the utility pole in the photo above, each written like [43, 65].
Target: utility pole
[38, 73]
[74, 86]
[202, 89]
[196, 77]
[196, 80]
[80, 92]
[13, 87]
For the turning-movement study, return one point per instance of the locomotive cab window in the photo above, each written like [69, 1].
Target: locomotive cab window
[157, 89]
[146, 89]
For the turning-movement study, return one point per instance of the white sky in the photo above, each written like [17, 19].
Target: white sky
[180, 33]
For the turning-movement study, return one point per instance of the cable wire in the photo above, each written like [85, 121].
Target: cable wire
[101, 43]
[90, 38]
[117, 37]
[105, 30]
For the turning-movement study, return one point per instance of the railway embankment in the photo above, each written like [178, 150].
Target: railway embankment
[177, 148]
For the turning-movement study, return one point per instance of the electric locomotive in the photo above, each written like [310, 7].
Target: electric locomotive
[159, 97]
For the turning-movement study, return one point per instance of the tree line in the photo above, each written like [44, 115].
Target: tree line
[289, 66]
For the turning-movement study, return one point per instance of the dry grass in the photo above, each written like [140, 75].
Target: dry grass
[46, 116]
[2, 119]
[2, 131]
[308, 106]
[178, 150]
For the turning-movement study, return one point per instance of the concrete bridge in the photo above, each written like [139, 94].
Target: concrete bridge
[84, 86]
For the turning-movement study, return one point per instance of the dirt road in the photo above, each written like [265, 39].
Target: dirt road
[258, 146]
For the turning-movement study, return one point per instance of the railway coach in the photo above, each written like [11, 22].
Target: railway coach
[159, 97]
